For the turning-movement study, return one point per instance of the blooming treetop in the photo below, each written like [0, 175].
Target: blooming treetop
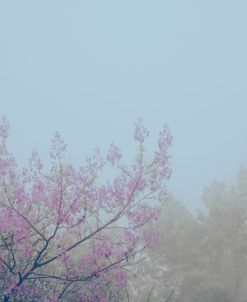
[64, 236]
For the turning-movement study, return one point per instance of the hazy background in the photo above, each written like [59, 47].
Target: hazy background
[90, 68]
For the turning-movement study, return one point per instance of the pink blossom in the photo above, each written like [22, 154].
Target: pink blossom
[114, 154]
[64, 224]
[141, 132]
[4, 128]
[58, 146]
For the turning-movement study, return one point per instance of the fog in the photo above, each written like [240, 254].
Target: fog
[89, 69]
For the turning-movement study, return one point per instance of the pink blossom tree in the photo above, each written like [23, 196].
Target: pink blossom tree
[64, 236]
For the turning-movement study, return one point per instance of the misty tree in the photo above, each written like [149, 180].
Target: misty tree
[202, 257]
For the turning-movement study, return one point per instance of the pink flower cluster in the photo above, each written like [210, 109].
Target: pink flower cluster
[141, 132]
[64, 236]
[114, 154]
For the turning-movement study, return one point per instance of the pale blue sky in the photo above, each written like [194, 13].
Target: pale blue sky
[89, 68]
